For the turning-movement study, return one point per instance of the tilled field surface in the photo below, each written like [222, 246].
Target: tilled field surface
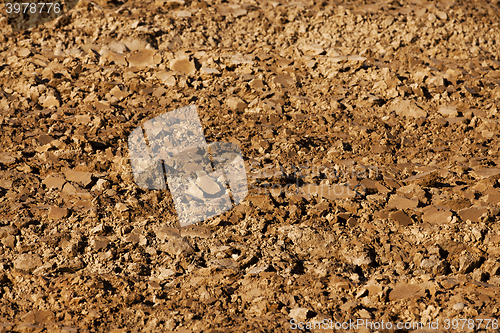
[369, 132]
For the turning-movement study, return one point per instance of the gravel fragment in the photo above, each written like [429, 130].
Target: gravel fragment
[27, 262]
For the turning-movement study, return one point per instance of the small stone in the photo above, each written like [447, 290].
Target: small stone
[208, 70]
[401, 218]
[27, 262]
[99, 244]
[208, 185]
[167, 78]
[9, 241]
[330, 192]
[117, 47]
[144, 58]
[177, 246]
[121, 207]
[195, 191]
[237, 11]
[23, 52]
[262, 201]
[69, 189]
[369, 185]
[358, 257]
[312, 49]
[135, 237]
[239, 59]
[166, 233]
[355, 57]
[6, 183]
[236, 103]
[468, 262]
[485, 173]
[51, 101]
[116, 57]
[71, 265]
[408, 109]
[362, 293]
[226, 263]
[135, 44]
[92, 97]
[428, 179]
[448, 283]
[491, 266]
[83, 119]
[183, 65]
[400, 202]
[256, 84]
[101, 105]
[45, 139]
[7, 159]
[373, 288]
[158, 92]
[54, 182]
[473, 214]
[448, 111]
[412, 191]
[98, 230]
[196, 231]
[284, 79]
[363, 313]
[404, 291]
[154, 285]
[340, 282]
[257, 270]
[164, 273]
[37, 316]
[6, 327]
[349, 305]
[82, 177]
[299, 314]
[434, 215]
[434, 264]
[492, 196]
[116, 92]
[488, 134]
[181, 13]
[101, 185]
[392, 183]
[442, 15]
[56, 213]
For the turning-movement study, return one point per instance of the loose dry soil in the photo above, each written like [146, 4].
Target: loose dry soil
[375, 123]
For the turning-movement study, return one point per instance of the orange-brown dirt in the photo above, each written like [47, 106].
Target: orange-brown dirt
[370, 135]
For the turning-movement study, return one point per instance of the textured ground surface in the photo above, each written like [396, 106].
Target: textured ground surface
[389, 110]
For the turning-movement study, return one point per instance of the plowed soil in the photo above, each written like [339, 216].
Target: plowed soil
[370, 134]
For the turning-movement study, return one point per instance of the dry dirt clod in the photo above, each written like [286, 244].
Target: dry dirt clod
[183, 65]
[27, 262]
[56, 213]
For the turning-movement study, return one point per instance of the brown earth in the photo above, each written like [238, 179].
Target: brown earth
[376, 123]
